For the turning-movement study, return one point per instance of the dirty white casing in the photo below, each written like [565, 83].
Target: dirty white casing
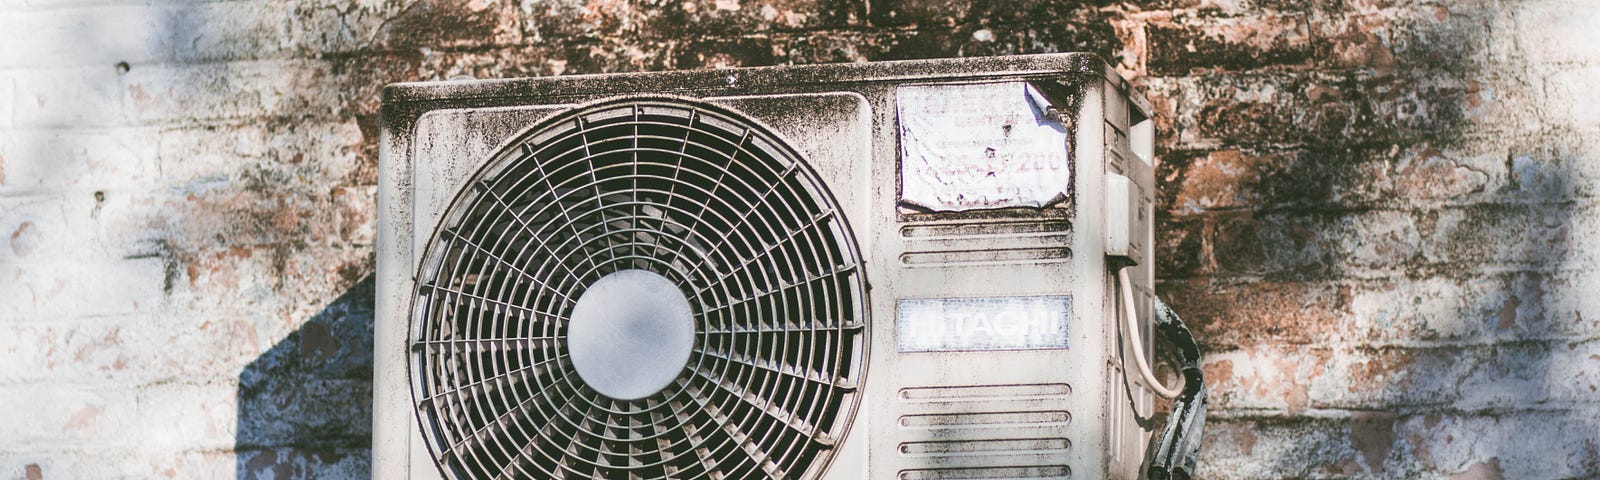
[1020, 413]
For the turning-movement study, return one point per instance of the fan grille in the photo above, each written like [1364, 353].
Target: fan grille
[685, 190]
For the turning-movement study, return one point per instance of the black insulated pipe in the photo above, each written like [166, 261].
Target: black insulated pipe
[1172, 454]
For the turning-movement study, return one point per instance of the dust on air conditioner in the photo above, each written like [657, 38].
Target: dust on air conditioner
[931, 269]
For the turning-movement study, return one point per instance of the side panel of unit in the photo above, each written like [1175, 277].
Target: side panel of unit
[391, 432]
[1127, 144]
[1020, 413]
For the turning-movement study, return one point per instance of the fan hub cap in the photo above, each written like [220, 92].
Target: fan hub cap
[631, 334]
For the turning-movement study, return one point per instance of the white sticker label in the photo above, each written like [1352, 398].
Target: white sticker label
[985, 323]
[980, 146]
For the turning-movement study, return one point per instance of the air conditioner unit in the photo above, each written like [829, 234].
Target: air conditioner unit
[884, 270]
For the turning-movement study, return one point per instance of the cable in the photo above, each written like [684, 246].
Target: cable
[1131, 313]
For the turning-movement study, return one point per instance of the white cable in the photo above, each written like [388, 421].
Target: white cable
[1131, 312]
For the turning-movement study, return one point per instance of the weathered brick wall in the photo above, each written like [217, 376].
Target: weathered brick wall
[1379, 215]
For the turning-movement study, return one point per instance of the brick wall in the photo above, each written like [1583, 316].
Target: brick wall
[1378, 214]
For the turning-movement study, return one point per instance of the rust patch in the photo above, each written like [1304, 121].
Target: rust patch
[2, 170]
[1372, 434]
[1216, 181]
[1359, 48]
[1229, 313]
[1297, 395]
[1474, 96]
[1371, 374]
[25, 239]
[1429, 174]
[1219, 372]
[218, 268]
[33, 472]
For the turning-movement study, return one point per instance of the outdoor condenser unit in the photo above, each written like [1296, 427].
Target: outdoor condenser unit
[898, 270]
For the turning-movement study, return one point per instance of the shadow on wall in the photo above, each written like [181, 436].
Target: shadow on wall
[305, 406]
[1386, 264]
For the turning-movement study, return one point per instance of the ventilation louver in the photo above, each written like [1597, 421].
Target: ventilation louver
[715, 259]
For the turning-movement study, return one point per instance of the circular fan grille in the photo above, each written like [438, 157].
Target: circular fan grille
[684, 190]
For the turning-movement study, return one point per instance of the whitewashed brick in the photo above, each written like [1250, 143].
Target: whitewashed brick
[142, 34]
[1559, 372]
[1513, 235]
[233, 30]
[48, 417]
[8, 100]
[1556, 443]
[80, 97]
[1457, 445]
[1380, 240]
[120, 464]
[1474, 309]
[1246, 449]
[340, 26]
[44, 292]
[314, 152]
[73, 98]
[1556, 31]
[109, 350]
[288, 409]
[212, 251]
[51, 161]
[102, 227]
[1294, 380]
[354, 463]
[1571, 94]
[99, 36]
[178, 417]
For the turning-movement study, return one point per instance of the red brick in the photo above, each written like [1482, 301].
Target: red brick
[1181, 44]
[1181, 245]
[1328, 112]
[1393, 38]
[449, 24]
[1243, 313]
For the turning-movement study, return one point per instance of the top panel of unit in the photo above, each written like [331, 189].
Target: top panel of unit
[757, 80]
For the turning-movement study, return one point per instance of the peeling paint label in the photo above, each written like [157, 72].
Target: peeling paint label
[980, 146]
[982, 323]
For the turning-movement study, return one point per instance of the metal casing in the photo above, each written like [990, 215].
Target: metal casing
[1042, 413]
